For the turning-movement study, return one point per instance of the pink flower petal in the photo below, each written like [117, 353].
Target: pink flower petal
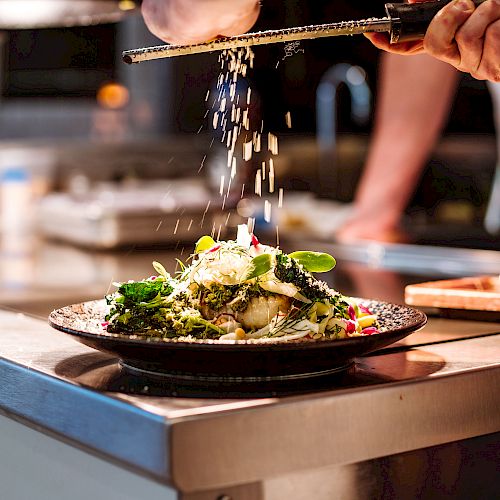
[351, 312]
[364, 309]
[369, 331]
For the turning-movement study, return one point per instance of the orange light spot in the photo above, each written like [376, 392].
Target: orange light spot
[113, 96]
[127, 5]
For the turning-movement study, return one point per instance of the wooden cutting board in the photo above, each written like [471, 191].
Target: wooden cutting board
[479, 293]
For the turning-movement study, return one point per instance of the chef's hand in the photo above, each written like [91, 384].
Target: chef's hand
[196, 21]
[462, 35]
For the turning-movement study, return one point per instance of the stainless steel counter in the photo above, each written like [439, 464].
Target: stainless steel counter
[395, 401]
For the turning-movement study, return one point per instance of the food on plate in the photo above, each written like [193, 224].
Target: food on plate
[239, 290]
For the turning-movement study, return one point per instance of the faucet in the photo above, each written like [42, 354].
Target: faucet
[492, 217]
[354, 78]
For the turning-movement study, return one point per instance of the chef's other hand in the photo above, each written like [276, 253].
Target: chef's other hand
[196, 21]
[462, 35]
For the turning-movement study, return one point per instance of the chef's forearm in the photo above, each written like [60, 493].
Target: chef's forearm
[414, 102]
[194, 21]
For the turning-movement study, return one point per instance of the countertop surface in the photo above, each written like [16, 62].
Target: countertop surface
[438, 385]
[396, 400]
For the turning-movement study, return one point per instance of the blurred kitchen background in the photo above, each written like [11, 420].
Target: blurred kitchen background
[101, 155]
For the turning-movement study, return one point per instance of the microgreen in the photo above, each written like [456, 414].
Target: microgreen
[161, 270]
[260, 265]
[314, 262]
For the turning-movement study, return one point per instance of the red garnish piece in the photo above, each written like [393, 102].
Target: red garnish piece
[104, 325]
[255, 241]
[350, 326]
[369, 330]
[364, 309]
[213, 249]
[351, 312]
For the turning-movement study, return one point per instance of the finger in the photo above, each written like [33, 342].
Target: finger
[381, 41]
[439, 40]
[189, 22]
[470, 37]
[489, 68]
[244, 22]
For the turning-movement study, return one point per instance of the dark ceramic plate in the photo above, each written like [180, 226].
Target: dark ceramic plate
[212, 359]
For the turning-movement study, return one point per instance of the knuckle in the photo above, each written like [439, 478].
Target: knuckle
[488, 71]
[493, 74]
[464, 37]
[477, 75]
[490, 8]
[431, 45]
[492, 35]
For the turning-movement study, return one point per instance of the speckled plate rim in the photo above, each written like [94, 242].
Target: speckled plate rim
[63, 319]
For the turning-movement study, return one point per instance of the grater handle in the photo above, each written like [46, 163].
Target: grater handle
[410, 20]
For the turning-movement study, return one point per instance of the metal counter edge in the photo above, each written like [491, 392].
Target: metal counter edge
[87, 419]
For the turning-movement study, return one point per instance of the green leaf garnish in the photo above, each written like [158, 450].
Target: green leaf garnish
[314, 262]
[142, 291]
[161, 270]
[204, 243]
[260, 265]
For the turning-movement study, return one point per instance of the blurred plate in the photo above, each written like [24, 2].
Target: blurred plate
[213, 359]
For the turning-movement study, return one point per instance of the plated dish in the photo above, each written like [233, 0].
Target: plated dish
[239, 290]
[267, 317]
[254, 359]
